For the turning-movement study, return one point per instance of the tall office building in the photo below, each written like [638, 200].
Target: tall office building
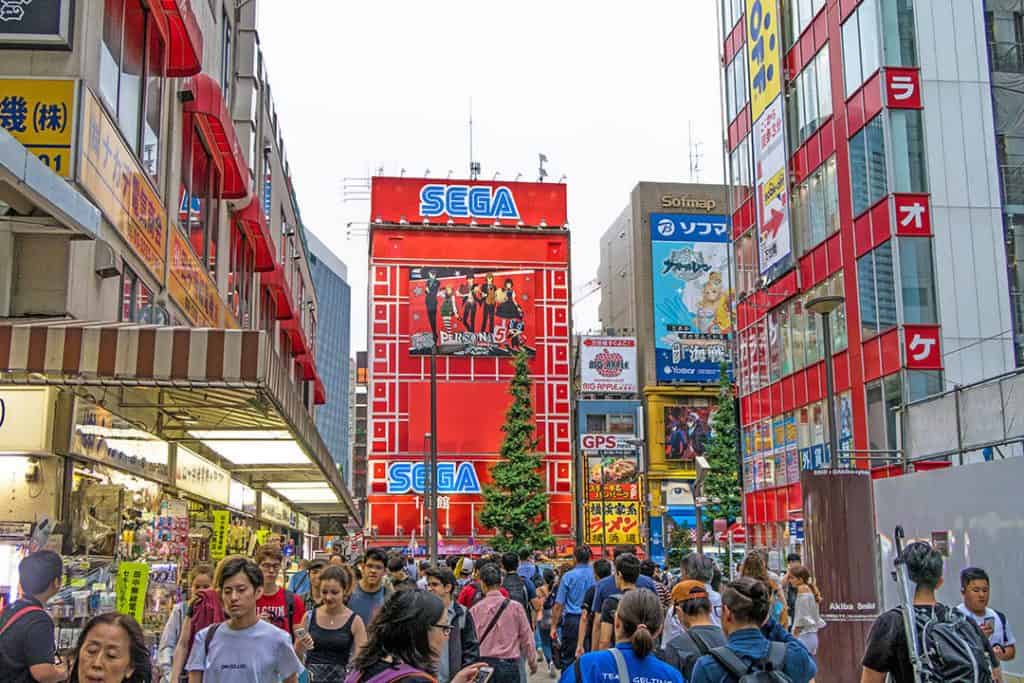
[333, 344]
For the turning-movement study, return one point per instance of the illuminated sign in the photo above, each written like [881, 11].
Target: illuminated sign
[463, 200]
[405, 477]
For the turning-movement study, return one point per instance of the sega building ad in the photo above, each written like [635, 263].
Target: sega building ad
[478, 271]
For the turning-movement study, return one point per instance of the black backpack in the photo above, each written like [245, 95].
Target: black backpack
[953, 649]
[516, 588]
[770, 669]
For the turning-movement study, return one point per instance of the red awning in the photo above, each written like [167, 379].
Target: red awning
[254, 224]
[319, 393]
[183, 36]
[274, 281]
[294, 330]
[309, 373]
[208, 101]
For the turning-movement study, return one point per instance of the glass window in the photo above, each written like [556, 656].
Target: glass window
[815, 209]
[736, 88]
[240, 277]
[823, 70]
[917, 281]
[621, 424]
[596, 423]
[129, 98]
[923, 383]
[150, 153]
[110, 50]
[876, 283]
[200, 186]
[898, 32]
[809, 100]
[135, 296]
[746, 263]
[861, 52]
[908, 151]
[867, 166]
[884, 399]
[876, 417]
[798, 324]
[786, 333]
[837, 321]
[775, 351]
[227, 59]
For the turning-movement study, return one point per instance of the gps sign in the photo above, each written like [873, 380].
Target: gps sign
[606, 442]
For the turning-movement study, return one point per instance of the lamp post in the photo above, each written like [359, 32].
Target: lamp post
[825, 306]
[432, 458]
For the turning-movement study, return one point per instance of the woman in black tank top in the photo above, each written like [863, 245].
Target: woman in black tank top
[336, 632]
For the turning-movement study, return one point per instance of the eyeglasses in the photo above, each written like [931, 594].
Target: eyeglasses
[270, 567]
[447, 628]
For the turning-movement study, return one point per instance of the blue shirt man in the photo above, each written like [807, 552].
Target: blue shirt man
[572, 588]
[600, 666]
[751, 645]
[606, 588]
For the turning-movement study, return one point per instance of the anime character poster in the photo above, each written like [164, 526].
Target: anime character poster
[687, 432]
[692, 296]
[471, 311]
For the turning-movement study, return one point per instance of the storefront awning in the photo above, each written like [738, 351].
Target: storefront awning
[275, 282]
[254, 224]
[223, 393]
[183, 36]
[33, 198]
[208, 101]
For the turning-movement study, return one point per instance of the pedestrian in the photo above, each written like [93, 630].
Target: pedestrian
[638, 622]
[528, 569]
[975, 588]
[546, 593]
[473, 591]
[311, 598]
[692, 607]
[370, 592]
[887, 651]
[421, 581]
[792, 561]
[807, 619]
[465, 572]
[584, 637]
[246, 648]
[336, 559]
[111, 649]
[299, 583]
[607, 587]
[460, 648]
[519, 589]
[334, 632]
[570, 601]
[398, 574]
[279, 606]
[627, 572]
[648, 568]
[754, 566]
[745, 606]
[27, 649]
[503, 631]
[200, 578]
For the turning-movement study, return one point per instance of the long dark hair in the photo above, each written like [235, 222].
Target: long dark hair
[400, 630]
[640, 615]
[142, 669]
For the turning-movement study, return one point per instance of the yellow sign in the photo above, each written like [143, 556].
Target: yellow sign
[192, 289]
[112, 176]
[764, 50]
[41, 116]
[219, 539]
[132, 582]
[621, 523]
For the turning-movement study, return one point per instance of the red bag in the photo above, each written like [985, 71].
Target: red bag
[205, 610]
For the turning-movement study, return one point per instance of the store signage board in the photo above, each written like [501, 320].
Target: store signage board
[621, 523]
[275, 510]
[406, 477]
[41, 115]
[333, 525]
[103, 437]
[131, 586]
[198, 476]
[26, 420]
[467, 202]
[690, 287]
[242, 497]
[219, 537]
[110, 174]
[40, 24]
[608, 365]
[190, 286]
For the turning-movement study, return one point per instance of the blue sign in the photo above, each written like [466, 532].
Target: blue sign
[461, 201]
[404, 477]
[692, 296]
[796, 530]
[657, 541]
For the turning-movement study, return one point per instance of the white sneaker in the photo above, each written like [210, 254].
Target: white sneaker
[551, 670]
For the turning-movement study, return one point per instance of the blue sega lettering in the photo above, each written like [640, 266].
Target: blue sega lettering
[404, 477]
[464, 201]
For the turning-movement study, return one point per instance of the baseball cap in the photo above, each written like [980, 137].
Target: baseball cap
[688, 590]
[467, 566]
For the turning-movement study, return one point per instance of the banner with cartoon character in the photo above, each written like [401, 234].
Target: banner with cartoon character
[470, 311]
[687, 431]
[692, 296]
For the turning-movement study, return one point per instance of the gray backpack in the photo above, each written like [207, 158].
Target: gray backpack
[770, 669]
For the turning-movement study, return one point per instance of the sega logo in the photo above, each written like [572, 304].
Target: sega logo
[601, 442]
[465, 201]
[405, 477]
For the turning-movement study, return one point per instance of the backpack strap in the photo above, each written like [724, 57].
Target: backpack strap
[1000, 615]
[776, 656]
[577, 670]
[699, 641]
[289, 610]
[494, 622]
[210, 633]
[620, 665]
[730, 662]
[18, 615]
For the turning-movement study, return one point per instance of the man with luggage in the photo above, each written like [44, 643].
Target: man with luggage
[974, 586]
[27, 651]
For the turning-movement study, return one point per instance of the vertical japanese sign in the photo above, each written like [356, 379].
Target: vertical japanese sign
[131, 586]
[620, 523]
[41, 116]
[191, 287]
[219, 539]
[764, 65]
[691, 295]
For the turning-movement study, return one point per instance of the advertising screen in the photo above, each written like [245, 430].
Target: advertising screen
[471, 311]
[687, 431]
[608, 365]
[692, 296]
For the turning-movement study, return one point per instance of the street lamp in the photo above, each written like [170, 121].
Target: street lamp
[825, 306]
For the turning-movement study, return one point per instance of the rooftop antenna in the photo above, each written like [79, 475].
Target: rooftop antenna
[541, 173]
[696, 157]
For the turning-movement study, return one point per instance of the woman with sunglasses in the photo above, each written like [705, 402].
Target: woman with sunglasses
[404, 641]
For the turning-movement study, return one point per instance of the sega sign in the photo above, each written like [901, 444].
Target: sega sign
[406, 477]
[460, 201]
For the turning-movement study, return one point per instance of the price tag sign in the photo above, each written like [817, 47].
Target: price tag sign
[132, 582]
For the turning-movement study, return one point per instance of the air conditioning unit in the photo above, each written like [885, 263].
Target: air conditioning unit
[105, 261]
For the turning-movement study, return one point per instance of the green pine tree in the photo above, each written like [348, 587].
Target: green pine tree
[722, 481]
[515, 505]
[679, 546]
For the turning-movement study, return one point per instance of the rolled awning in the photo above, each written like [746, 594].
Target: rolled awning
[208, 102]
[254, 224]
[275, 282]
[183, 37]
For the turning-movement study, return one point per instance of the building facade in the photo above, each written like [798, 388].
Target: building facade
[330, 278]
[360, 418]
[881, 136]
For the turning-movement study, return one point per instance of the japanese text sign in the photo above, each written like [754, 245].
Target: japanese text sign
[111, 175]
[608, 365]
[41, 116]
[764, 62]
[902, 88]
[44, 24]
[620, 523]
[691, 295]
[219, 539]
[913, 217]
[190, 286]
[922, 347]
[131, 586]
[773, 236]
[199, 476]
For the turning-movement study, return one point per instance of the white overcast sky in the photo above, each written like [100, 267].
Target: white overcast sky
[607, 94]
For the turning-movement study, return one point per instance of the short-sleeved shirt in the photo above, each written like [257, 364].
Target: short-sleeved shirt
[577, 583]
[259, 654]
[598, 667]
[1001, 633]
[606, 587]
[26, 643]
[366, 604]
[611, 603]
[275, 609]
[888, 652]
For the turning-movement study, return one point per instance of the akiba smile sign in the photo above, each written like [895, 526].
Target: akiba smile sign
[462, 201]
[405, 477]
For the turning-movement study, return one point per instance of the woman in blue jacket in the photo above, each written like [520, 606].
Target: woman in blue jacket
[638, 622]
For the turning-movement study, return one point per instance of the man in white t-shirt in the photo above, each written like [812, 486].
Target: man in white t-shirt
[974, 586]
[245, 648]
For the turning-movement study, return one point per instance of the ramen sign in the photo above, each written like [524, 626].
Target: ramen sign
[608, 365]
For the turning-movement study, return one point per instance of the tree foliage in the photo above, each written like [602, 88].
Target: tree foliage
[722, 481]
[516, 502]
[680, 544]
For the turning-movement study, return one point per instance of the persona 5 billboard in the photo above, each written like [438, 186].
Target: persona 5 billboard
[418, 201]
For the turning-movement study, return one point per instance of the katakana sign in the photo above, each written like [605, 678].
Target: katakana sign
[923, 350]
[40, 114]
[902, 88]
[913, 218]
[619, 523]
[219, 538]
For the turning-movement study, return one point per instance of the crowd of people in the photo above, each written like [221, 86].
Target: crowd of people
[495, 619]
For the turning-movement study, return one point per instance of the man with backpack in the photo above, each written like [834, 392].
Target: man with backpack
[27, 651]
[692, 607]
[627, 573]
[962, 651]
[522, 591]
[280, 607]
[245, 648]
[528, 569]
[749, 657]
[473, 591]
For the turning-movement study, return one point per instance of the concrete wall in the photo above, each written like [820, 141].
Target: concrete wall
[615, 275]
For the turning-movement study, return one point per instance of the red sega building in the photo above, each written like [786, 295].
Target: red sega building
[482, 269]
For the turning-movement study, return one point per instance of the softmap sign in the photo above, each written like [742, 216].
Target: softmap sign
[608, 365]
